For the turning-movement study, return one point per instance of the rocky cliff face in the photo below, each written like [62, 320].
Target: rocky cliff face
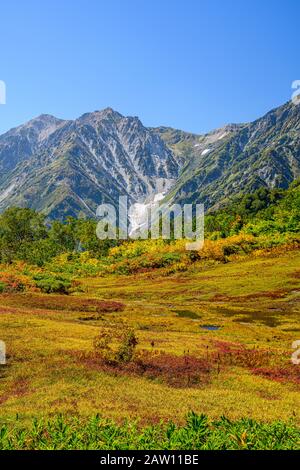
[20, 143]
[70, 167]
[238, 158]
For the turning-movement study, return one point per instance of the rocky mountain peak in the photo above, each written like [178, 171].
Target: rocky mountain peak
[70, 167]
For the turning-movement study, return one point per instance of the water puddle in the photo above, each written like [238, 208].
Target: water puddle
[210, 327]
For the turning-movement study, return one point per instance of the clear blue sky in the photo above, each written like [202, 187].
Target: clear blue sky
[191, 64]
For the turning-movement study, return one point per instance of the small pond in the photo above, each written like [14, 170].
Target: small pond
[210, 327]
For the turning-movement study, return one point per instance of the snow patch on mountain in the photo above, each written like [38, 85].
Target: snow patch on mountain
[222, 136]
[138, 214]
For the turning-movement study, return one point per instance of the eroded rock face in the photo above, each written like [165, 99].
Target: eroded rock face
[70, 167]
[237, 158]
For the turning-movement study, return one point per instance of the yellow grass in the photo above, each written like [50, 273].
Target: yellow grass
[255, 301]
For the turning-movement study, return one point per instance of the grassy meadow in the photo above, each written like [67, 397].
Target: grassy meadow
[246, 370]
[136, 344]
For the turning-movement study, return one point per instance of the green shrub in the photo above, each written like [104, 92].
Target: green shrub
[52, 284]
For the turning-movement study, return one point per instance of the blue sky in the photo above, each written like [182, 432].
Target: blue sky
[191, 64]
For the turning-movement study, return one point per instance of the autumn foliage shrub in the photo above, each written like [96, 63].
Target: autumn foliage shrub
[220, 249]
[14, 283]
[116, 347]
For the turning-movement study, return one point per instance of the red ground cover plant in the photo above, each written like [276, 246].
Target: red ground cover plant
[174, 371]
[191, 371]
[278, 294]
[19, 388]
[61, 302]
[236, 354]
[290, 373]
[259, 361]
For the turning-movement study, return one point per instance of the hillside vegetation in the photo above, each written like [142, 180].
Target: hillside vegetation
[263, 220]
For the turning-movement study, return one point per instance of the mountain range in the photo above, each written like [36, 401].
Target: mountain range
[69, 167]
